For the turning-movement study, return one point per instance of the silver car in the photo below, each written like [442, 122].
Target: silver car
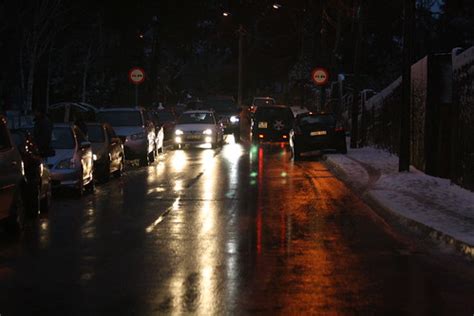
[72, 165]
[138, 134]
[107, 149]
[197, 128]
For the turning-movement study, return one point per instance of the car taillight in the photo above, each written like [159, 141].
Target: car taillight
[339, 129]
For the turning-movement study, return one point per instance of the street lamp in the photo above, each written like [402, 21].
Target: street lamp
[226, 14]
[276, 6]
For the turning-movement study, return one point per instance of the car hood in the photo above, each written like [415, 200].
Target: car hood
[60, 154]
[128, 130]
[195, 127]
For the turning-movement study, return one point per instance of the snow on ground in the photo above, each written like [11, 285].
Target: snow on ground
[431, 201]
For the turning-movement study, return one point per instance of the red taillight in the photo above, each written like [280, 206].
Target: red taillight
[339, 129]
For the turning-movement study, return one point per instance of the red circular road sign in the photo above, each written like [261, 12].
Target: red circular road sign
[136, 75]
[320, 76]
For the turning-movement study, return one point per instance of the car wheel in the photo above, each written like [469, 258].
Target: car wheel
[46, 202]
[90, 187]
[16, 220]
[144, 160]
[118, 173]
[79, 190]
[33, 200]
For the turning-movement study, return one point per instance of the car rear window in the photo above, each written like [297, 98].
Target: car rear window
[273, 112]
[318, 119]
[263, 102]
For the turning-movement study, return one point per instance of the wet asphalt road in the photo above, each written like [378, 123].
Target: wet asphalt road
[242, 230]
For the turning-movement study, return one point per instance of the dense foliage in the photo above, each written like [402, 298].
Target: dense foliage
[56, 50]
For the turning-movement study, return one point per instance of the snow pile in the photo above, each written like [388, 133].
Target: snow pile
[431, 201]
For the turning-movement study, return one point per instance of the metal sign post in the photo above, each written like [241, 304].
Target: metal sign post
[136, 76]
[320, 77]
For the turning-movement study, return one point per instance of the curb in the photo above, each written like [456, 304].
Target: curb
[368, 197]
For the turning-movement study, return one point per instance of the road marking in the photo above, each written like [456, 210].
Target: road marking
[173, 207]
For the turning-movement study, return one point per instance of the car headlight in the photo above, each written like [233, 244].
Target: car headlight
[207, 132]
[178, 132]
[138, 136]
[66, 164]
[234, 119]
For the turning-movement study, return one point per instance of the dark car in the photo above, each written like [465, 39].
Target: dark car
[316, 131]
[107, 149]
[12, 180]
[271, 123]
[37, 174]
[167, 119]
[227, 113]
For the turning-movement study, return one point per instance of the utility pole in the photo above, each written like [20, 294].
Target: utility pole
[405, 115]
[241, 33]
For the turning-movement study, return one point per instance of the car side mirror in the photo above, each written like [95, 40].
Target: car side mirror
[85, 145]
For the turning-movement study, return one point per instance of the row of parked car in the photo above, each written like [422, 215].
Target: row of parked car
[81, 154]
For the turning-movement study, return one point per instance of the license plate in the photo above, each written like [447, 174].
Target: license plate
[318, 133]
[193, 137]
[262, 124]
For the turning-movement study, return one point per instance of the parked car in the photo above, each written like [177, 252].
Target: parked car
[68, 112]
[37, 174]
[261, 101]
[107, 150]
[227, 112]
[72, 164]
[135, 130]
[316, 131]
[198, 127]
[12, 180]
[167, 119]
[271, 123]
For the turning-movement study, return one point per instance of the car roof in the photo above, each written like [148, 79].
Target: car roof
[115, 109]
[278, 106]
[264, 98]
[198, 111]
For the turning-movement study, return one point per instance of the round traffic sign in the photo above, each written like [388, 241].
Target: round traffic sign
[136, 75]
[320, 76]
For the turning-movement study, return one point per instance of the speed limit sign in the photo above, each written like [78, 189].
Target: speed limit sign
[320, 76]
[136, 75]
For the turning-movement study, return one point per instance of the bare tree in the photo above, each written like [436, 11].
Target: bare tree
[39, 22]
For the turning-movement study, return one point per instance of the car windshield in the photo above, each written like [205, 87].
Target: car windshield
[271, 112]
[196, 118]
[263, 102]
[318, 119]
[121, 118]
[62, 138]
[221, 105]
[95, 133]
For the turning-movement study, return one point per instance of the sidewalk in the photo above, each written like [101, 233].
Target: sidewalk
[433, 205]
